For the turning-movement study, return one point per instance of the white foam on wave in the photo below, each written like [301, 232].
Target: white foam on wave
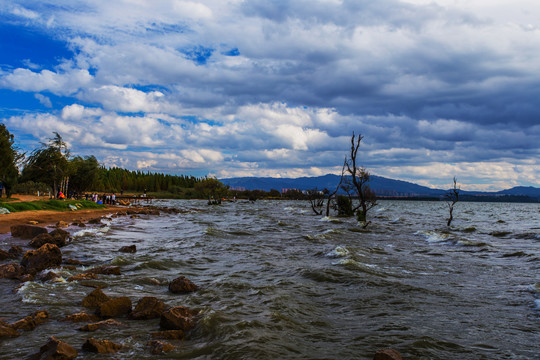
[433, 236]
[92, 232]
[338, 252]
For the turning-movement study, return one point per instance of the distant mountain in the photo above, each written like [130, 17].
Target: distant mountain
[381, 185]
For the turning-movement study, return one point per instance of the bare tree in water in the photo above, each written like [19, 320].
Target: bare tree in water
[358, 183]
[452, 197]
[316, 199]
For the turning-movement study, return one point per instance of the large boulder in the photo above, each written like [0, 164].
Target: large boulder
[27, 231]
[95, 298]
[100, 346]
[148, 307]
[115, 307]
[15, 250]
[178, 318]
[47, 256]
[4, 255]
[11, 271]
[55, 349]
[30, 322]
[182, 285]
[387, 354]
[54, 237]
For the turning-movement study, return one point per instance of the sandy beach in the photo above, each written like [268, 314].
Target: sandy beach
[50, 217]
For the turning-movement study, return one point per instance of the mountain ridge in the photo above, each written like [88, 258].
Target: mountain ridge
[381, 185]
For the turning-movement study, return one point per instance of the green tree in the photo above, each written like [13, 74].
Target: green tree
[48, 164]
[84, 173]
[211, 188]
[9, 160]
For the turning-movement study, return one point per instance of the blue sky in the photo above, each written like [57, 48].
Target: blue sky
[438, 88]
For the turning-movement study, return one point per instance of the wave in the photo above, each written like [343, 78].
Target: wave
[434, 236]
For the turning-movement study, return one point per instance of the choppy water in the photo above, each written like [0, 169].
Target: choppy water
[280, 283]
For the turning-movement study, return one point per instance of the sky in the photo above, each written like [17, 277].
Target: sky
[231, 88]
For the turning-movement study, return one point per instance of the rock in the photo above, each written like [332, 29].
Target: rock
[177, 318]
[27, 277]
[82, 276]
[160, 347]
[128, 249]
[105, 270]
[15, 250]
[102, 324]
[148, 308]
[100, 346]
[27, 231]
[55, 349]
[62, 224]
[7, 331]
[33, 222]
[26, 324]
[94, 221]
[81, 317]
[95, 298]
[387, 354]
[72, 262]
[182, 285]
[115, 307]
[54, 237]
[30, 322]
[169, 334]
[49, 276]
[47, 256]
[11, 271]
[4, 255]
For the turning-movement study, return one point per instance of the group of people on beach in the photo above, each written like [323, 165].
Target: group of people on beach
[109, 199]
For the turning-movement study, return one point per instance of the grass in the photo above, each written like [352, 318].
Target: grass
[57, 205]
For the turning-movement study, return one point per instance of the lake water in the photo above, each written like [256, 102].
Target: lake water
[278, 282]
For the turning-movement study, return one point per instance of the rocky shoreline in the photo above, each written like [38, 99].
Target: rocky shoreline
[98, 309]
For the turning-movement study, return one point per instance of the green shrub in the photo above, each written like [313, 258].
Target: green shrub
[344, 206]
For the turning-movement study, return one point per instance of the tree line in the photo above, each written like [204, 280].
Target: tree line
[52, 168]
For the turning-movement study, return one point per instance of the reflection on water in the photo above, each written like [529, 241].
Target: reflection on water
[278, 282]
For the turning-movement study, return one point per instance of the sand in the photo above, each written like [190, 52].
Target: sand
[50, 217]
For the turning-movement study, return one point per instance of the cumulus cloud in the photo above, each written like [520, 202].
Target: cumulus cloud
[277, 88]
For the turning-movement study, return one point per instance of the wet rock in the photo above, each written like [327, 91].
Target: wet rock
[182, 285]
[53, 237]
[95, 298]
[27, 324]
[55, 349]
[100, 346]
[48, 276]
[62, 233]
[387, 354]
[128, 249]
[62, 224]
[160, 347]
[169, 335]
[40, 316]
[178, 318]
[94, 221]
[27, 231]
[109, 323]
[148, 308]
[27, 277]
[47, 256]
[72, 262]
[11, 271]
[4, 255]
[82, 276]
[105, 270]
[15, 250]
[6, 331]
[81, 317]
[115, 307]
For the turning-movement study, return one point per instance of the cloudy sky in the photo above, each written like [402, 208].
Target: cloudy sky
[231, 88]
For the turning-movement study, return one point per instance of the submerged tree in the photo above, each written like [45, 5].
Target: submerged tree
[452, 197]
[357, 183]
[9, 158]
[316, 199]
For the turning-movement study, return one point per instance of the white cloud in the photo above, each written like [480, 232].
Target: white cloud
[61, 83]
[44, 100]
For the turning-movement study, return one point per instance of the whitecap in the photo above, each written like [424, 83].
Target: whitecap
[433, 236]
[339, 251]
[92, 232]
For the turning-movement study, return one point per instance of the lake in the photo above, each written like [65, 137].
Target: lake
[278, 282]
